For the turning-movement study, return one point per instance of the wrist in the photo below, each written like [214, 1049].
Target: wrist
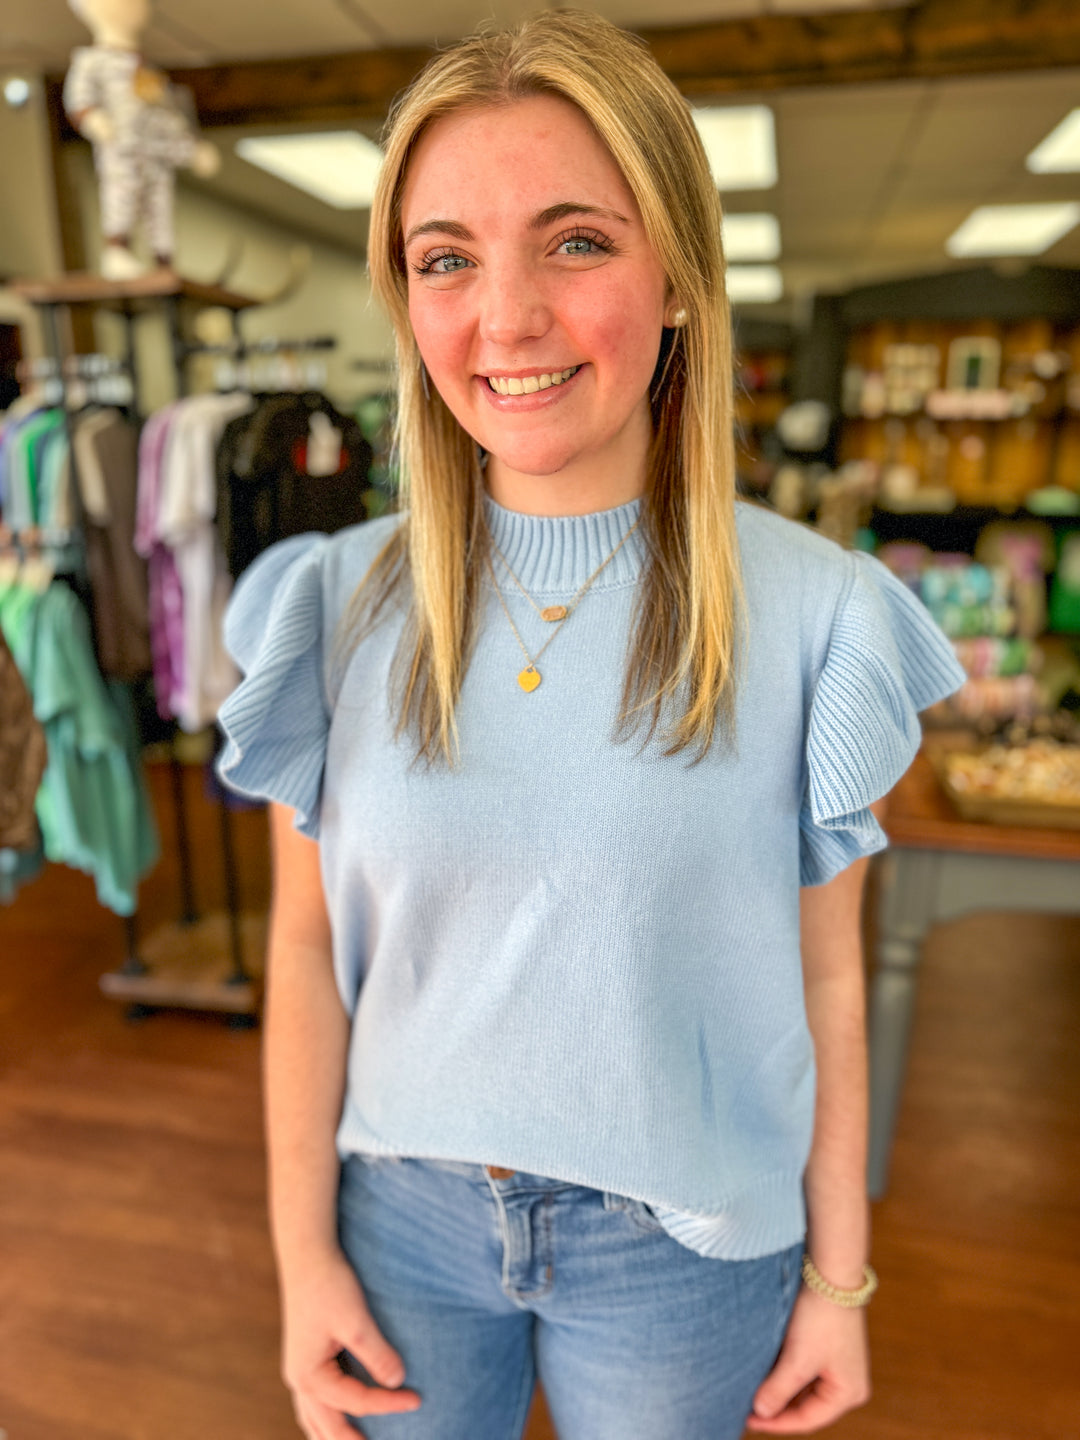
[840, 1253]
[299, 1262]
[850, 1297]
[846, 1272]
[303, 1241]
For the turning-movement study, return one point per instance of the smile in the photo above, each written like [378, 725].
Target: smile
[529, 384]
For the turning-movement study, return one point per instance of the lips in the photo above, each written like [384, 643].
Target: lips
[527, 401]
[530, 384]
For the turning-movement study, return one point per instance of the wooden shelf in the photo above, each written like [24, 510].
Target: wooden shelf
[85, 288]
[920, 814]
[188, 967]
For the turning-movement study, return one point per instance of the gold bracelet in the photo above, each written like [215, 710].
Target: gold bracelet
[850, 1299]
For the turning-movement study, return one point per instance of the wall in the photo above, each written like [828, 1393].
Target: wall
[29, 235]
[334, 298]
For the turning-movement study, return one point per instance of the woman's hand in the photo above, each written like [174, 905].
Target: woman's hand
[324, 1313]
[823, 1370]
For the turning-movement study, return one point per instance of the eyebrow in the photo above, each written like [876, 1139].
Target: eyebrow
[540, 221]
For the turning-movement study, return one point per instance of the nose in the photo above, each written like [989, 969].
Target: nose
[513, 306]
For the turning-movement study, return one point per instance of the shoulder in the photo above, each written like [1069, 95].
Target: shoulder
[347, 556]
[307, 578]
[791, 563]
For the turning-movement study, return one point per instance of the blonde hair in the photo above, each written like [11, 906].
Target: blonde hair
[685, 619]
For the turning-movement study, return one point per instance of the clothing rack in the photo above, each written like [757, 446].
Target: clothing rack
[238, 364]
[193, 945]
[79, 381]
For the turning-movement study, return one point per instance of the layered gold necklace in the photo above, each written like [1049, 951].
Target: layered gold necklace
[530, 677]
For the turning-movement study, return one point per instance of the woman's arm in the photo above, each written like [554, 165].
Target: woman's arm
[304, 1064]
[304, 1053]
[823, 1369]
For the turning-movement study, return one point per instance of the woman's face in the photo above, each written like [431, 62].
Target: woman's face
[535, 297]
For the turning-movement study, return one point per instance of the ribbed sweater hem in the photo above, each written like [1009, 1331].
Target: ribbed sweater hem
[766, 1215]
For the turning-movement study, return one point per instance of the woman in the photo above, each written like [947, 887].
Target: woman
[539, 958]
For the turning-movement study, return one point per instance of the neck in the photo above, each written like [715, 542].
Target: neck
[112, 37]
[537, 495]
[590, 482]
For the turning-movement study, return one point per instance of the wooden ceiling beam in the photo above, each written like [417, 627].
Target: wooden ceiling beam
[927, 40]
[930, 39]
[357, 86]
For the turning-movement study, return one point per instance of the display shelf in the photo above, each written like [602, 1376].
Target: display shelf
[186, 966]
[987, 408]
[953, 530]
[199, 962]
[762, 393]
[86, 288]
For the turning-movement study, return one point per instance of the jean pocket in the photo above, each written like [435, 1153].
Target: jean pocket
[636, 1211]
[365, 1161]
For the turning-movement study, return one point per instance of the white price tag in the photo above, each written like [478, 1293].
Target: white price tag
[323, 446]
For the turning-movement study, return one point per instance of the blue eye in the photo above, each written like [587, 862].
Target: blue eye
[584, 244]
[446, 263]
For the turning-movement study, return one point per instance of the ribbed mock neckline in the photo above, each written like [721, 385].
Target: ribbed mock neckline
[553, 554]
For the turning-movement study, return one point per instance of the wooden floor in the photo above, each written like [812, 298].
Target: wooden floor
[137, 1298]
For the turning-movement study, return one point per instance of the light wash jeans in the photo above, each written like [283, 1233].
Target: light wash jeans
[484, 1284]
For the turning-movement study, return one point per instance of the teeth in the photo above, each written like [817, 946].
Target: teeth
[529, 384]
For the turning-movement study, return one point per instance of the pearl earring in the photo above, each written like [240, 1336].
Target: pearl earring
[680, 317]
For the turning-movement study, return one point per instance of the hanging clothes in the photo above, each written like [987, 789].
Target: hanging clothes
[92, 803]
[22, 757]
[294, 464]
[36, 492]
[165, 598]
[34, 470]
[190, 583]
[106, 463]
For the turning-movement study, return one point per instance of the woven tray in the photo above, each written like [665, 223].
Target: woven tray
[994, 810]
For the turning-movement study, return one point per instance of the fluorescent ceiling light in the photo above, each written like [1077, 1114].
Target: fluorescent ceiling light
[338, 168]
[1060, 151]
[740, 141]
[754, 284]
[16, 91]
[751, 237]
[1013, 229]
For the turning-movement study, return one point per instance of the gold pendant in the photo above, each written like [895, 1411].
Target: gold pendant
[529, 678]
[553, 612]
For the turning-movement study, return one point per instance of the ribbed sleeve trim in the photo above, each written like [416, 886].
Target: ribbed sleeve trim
[887, 660]
[276, 721]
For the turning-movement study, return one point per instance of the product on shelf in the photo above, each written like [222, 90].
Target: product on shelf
[994, 421]
[966, 598]
[1045, 772]
[1065, 589]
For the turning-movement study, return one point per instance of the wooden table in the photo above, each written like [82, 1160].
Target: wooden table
[940, 867]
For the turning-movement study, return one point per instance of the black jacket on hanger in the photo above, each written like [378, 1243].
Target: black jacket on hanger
[265, 489]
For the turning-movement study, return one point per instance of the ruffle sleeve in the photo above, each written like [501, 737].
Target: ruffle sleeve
[886, 661]
[277, 719]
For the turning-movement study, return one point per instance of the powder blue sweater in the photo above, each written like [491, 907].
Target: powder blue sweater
[567, 957]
